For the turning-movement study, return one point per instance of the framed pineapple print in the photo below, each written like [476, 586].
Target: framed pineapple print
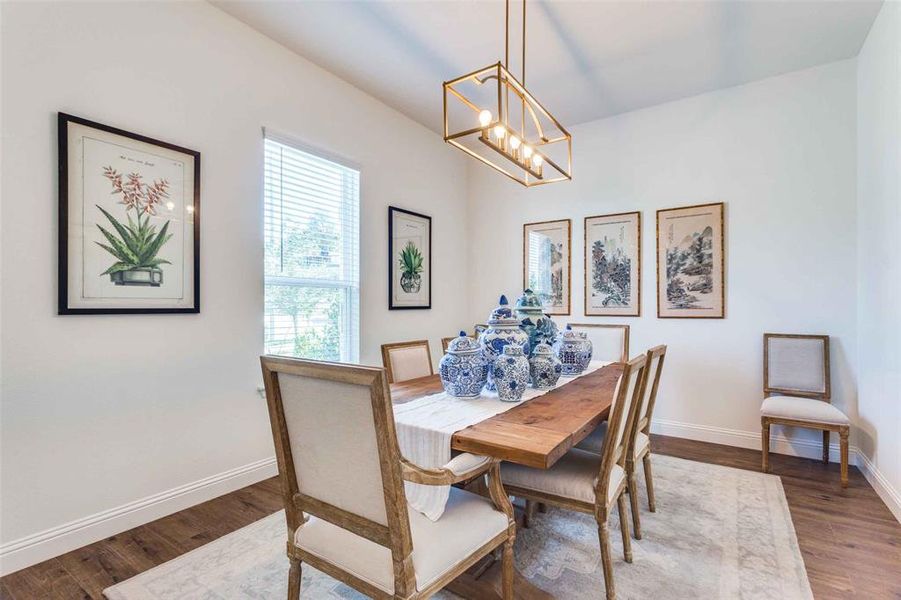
[546, 254]
[129, 222]
[691, 264]
[613, 265]
[409, 259]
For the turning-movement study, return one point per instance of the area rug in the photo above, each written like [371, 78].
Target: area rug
[718, 533]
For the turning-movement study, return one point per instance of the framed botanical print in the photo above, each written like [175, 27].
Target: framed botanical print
[409, 259]
[129, 222]
[546, 252]
[691, 263]
[613, 265]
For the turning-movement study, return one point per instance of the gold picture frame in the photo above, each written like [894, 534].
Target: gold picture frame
[613, 240]
[547, 263]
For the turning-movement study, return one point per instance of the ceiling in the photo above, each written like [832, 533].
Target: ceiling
[585, 60]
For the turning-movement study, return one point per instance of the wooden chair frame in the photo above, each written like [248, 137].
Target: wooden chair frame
[624, 357]
[394, 469]
[386, 355]
[611, 455]
[768, 390]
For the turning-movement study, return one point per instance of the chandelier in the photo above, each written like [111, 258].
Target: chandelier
[491, 116]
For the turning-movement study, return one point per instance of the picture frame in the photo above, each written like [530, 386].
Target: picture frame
[128, 222]
[547, 263]
[691, 262]
[409, 260]
[612, 259]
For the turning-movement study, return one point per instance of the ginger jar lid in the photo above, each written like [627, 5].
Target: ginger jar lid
[503, 315]
[542, 349]
[513, 350]
[568, 335]
[463, 345]
[529, 302]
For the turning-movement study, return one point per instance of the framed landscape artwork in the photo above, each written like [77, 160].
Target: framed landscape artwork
[546, 263]
[691, 262]
[613, 265]
[409, 259]
[129, 222]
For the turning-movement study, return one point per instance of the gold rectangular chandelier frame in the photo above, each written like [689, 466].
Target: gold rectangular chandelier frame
[539, 133]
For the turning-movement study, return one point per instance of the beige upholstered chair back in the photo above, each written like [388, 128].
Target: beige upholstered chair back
[622, 415]
[796, 365]
[336, 444]
[407, 360]
[609, 342]
[655, 356]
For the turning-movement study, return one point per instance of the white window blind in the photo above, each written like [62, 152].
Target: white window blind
[312, 255]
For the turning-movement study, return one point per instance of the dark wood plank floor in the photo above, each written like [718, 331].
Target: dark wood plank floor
[850, 541]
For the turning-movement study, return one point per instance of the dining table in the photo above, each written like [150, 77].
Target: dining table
[535, 433]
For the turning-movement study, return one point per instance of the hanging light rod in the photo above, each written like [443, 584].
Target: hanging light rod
[531, 141]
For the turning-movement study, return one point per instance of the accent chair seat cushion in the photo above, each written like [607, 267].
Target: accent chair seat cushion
[595, 441]
[574, 476]
[802, 409]
[468, 523]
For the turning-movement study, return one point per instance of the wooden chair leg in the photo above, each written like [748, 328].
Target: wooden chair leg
[765, 445]
[624, 526]
[843, 440]
[606, 560]
[507, 571]
[633, 502]
[825, 446]
[649, 481]
[528, 514]
[294, 575]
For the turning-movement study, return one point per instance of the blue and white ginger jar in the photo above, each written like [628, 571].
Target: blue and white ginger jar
[503, 330]
[540, 327]
[463, 368]
[511, 373]
[574, 351]
[544, 367]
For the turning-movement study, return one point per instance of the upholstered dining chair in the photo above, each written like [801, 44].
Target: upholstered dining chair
[407, 360]
[797, 388]
[588, 482]
[609, 342]
[639, 437]
[342, 478]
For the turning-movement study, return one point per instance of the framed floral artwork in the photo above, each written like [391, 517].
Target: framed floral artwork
[409, 259]
[129, 222]
[613, 265]
[546, 253]
[691, 264]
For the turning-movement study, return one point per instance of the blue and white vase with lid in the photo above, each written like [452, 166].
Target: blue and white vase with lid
[574, 350]
[544, 367]
[503, 330]
[463, 368]
[511, 374]
[540, 327]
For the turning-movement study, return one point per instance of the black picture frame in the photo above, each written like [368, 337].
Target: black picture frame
[63, 121]
[392, 263]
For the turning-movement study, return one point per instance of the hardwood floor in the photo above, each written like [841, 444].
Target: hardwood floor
[850, 541]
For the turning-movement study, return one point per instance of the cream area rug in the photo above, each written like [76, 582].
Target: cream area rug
[718, 533]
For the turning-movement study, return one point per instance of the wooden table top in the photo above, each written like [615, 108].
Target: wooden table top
[537, 432]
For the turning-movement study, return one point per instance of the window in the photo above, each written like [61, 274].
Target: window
[312, 231]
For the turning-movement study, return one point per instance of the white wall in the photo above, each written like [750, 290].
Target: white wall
[781, 154]
[879, 252]
[100, 412]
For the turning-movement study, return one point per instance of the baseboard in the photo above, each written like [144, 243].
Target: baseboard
[889, 494]
[779, 443]
[46, 544]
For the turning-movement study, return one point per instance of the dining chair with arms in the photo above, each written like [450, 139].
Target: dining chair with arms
[588, 482]
[797, 389]
[609, 342]
[640, 437]
[407, 360]
[342, 478]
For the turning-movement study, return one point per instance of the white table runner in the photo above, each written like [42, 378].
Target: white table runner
[426, 425]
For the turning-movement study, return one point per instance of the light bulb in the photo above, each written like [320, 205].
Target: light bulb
[527, 151]
[514, 142]
[485, 118]
[189, 208]
[537, 160]
[170, 205]
[500, 131]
